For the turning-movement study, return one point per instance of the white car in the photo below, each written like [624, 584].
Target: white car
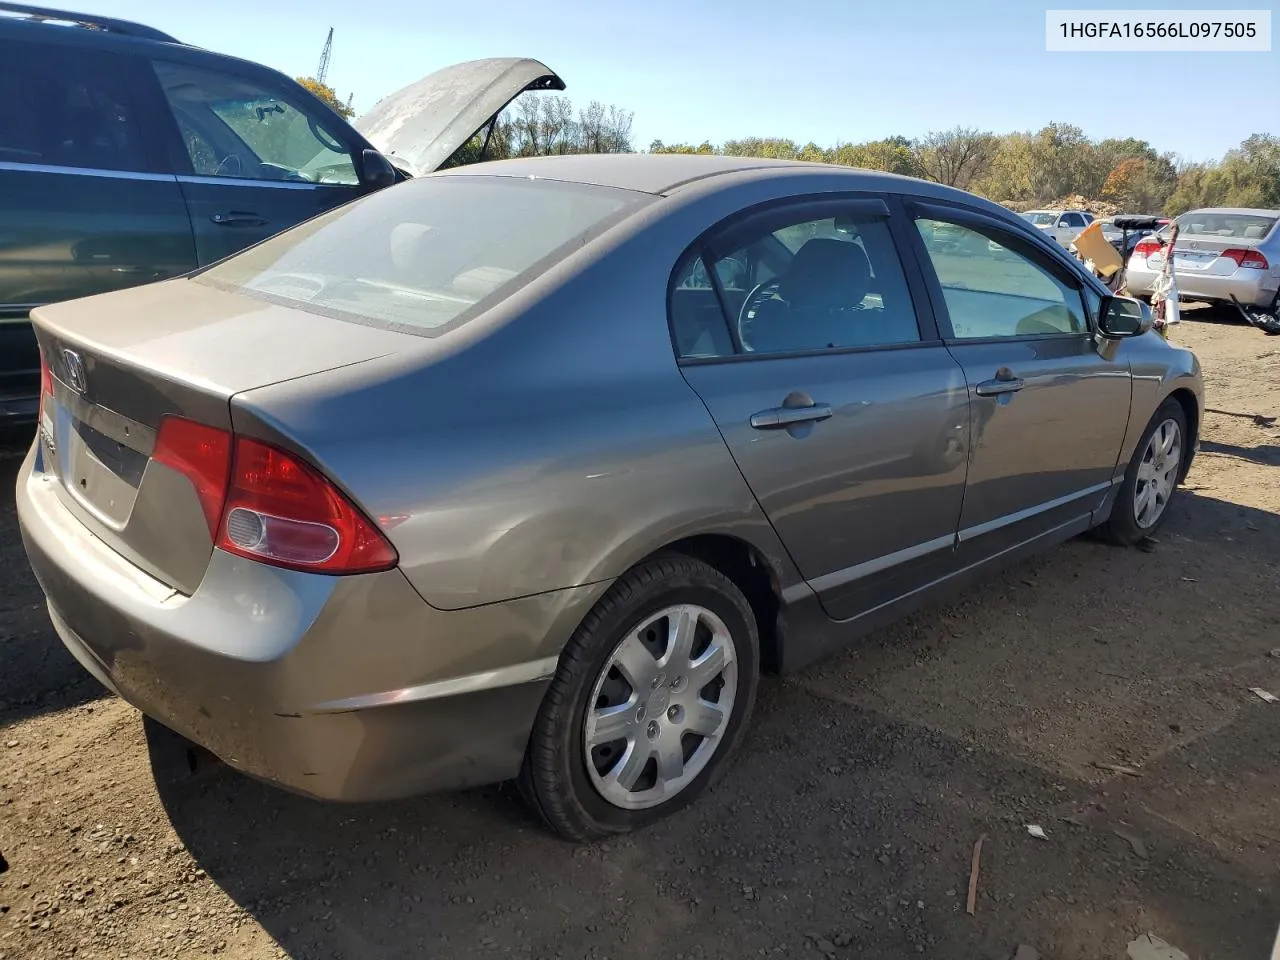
[1221, 253]
[1063, 225]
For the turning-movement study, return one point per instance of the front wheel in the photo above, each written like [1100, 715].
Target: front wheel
[650, 698]
[1152, 477]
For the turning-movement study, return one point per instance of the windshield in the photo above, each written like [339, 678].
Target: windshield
[1236, 226]
[1041, 218]
[417, 257]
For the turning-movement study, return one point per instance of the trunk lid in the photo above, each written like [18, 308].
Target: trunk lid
[121, 362]
[423, 124]
[1203, 237]
[1202, 255]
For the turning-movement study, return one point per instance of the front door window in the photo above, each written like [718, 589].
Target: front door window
[235, 128]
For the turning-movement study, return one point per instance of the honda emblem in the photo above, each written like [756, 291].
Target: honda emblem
[74, 367]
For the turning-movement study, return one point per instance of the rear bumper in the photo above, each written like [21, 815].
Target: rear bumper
[341, 688]
[1250, 287]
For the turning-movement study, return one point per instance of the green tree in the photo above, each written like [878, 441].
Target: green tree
[657, 146]
[327, 94]
[892, 154]
[1010, 175]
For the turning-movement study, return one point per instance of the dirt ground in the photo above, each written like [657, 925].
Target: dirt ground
[846, 828]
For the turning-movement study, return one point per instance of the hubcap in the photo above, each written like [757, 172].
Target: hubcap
[660, 707]
[1157, 474]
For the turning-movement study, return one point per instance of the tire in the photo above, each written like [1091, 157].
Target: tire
[1123, 527]
[569, 786]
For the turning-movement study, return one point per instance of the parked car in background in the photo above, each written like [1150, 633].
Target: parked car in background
[1220, 253]
[1062, 225]
[1125, 241]
[128, 157]
[527, 469]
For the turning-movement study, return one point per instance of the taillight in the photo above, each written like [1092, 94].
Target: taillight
[269, 505]
[1146, 248]
[202, 454]
[1245, 257]
[46, 390]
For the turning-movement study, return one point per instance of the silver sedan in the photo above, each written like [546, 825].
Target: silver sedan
[528, 469]
[1220, 253]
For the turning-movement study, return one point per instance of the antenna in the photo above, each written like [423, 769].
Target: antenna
[323, 69]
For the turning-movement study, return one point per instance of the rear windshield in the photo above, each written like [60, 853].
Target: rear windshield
[1236, 226]
[424, 256]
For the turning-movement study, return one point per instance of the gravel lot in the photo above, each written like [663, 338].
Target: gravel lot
[845, 829]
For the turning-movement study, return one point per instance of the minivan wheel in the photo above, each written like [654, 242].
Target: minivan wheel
[1142, 503]
[650, 698]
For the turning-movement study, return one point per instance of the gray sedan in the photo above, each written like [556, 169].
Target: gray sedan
[528, 469]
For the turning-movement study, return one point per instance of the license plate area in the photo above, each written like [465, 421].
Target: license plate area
[97, 459]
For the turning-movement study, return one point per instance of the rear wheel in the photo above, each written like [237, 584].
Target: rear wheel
[1152, 477]
[651, 697]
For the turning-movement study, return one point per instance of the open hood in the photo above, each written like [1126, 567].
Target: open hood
[423, 124]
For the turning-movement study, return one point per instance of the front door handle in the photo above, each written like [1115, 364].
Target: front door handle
[778, 417]
[993, 388]
[238, 218]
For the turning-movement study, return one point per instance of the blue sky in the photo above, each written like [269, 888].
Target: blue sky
[821, 70]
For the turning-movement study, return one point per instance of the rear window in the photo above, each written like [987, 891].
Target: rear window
[425, 256]
[1236, 226]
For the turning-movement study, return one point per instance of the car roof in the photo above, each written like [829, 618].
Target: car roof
[69, 18]
[120, 36]
[1242, 211]
[666, 173]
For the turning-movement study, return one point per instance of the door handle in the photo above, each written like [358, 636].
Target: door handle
[778, 417]
[238, 218]
[993, 388]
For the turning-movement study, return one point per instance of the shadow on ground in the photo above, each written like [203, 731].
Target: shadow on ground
[848, 823]
[1268, 456]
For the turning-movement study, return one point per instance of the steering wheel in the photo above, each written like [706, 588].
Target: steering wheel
[323, 136]
[759, 294]
[280, 172]
[227, 168]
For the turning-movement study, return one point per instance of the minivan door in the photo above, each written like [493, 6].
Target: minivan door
[254, 159]
[89, 204]
[848, 418]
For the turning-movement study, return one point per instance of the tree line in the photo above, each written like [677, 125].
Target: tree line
[547, 125]
[1022, 169]
[532, 126]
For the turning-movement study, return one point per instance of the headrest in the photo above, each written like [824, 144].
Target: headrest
[827, 273]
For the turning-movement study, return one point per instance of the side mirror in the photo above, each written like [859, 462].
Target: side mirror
[1062, 222]
[376, 170]
[1122, 317]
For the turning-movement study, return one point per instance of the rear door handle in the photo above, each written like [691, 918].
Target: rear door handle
[777, 417]
[993, 388]
[238, 218]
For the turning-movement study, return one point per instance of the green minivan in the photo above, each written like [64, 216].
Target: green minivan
[128, 157]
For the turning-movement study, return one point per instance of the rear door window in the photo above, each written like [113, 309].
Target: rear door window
[794, 285]
[68, 108]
